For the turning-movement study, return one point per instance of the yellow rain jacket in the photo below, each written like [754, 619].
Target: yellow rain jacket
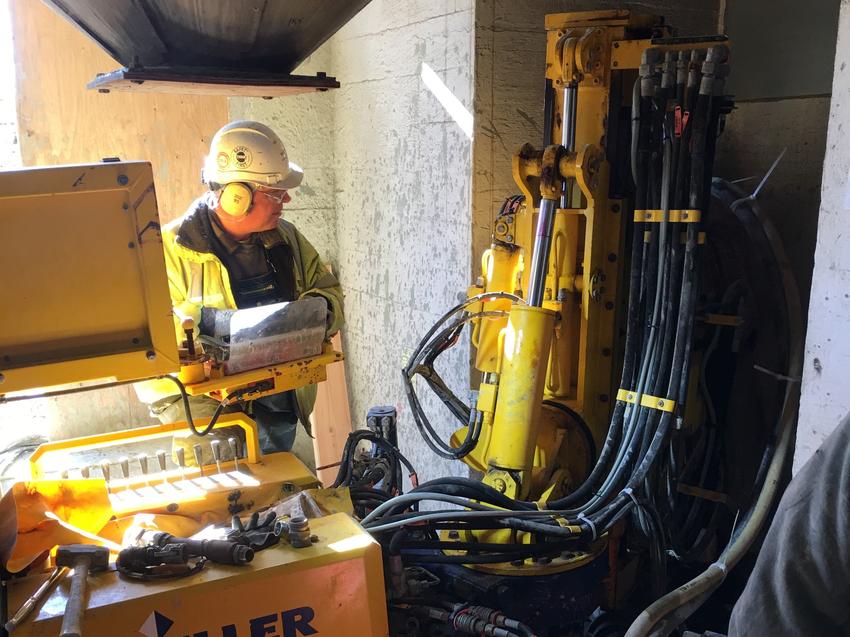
[197, 278]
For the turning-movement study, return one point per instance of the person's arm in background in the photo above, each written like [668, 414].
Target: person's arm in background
[801, 582]
[319, 281]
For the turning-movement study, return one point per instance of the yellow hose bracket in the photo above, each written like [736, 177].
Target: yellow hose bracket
[487, 398]
[653, 402]
[673, 216]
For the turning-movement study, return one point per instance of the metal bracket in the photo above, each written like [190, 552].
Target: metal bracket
[673, 216]
[653, 402]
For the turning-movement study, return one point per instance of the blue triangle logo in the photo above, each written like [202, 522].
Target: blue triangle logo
[163, 623]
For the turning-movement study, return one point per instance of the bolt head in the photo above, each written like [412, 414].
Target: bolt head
[123, 180]
[150, 355]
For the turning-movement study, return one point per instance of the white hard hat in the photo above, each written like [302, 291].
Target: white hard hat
[245, 151]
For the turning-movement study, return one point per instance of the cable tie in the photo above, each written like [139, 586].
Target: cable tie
[582, 517]
[629, 492]
[721, 566]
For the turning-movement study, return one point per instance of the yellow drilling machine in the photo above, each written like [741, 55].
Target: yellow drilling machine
[636, 335]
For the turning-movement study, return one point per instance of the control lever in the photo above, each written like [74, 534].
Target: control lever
[215, 446]
[104, 467]
[180, 452]
[143, 465]
[199, 457]
[233, 443]
[160, 458]
[85, 472]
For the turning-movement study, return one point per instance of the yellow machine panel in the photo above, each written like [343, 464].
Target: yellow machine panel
[99, 307]
[334, 587]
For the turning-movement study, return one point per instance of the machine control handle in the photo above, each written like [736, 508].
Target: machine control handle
[199, 456]
[143, 464]
[180, 452]
[215, 446]
[233, 443]
[125, 467]
[104, 467]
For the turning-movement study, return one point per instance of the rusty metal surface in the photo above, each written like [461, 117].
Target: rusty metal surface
[261, 35]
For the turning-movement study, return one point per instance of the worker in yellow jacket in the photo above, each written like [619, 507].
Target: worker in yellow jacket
[233, 250]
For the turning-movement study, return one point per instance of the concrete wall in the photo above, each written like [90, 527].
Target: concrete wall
[387, 162]
[402, 196]
[825, 395]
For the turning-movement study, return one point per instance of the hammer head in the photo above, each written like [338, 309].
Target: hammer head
[71, 554]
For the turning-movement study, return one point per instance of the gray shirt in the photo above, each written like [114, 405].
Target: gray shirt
[801, 581]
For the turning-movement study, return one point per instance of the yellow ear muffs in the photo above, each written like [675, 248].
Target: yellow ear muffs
[236, 199]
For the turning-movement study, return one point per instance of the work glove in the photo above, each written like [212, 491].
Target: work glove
[258, 533]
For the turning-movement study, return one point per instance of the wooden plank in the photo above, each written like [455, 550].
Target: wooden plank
[331, 418]
[62, 122]
[211, 82]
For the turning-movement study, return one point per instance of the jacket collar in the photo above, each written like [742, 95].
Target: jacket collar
[195, 230]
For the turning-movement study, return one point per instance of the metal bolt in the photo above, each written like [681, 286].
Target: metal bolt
[509, 237]
[125, 206]
[660, 403]
[612, 257]
[131, 245]
[479, 282]
[150, 355]
[609, 305]
[123, 180]
[454, 535]
[500, 485]
[562, 294]
[615, 207]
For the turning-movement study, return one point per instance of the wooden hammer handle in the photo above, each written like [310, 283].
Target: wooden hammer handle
[71, 622]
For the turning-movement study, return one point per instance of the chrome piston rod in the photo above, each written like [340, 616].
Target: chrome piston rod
[540, 256]
[568, 135]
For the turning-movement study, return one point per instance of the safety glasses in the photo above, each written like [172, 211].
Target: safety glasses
[276, 196]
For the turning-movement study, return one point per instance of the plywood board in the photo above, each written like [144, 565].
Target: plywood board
[62, 122]
[331, 419]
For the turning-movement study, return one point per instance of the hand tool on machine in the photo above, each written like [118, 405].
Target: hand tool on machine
[84, 559]
[28, 606]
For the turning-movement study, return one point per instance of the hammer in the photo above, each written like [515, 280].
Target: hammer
[82, 558]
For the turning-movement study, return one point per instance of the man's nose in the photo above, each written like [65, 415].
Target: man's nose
[286, 198]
